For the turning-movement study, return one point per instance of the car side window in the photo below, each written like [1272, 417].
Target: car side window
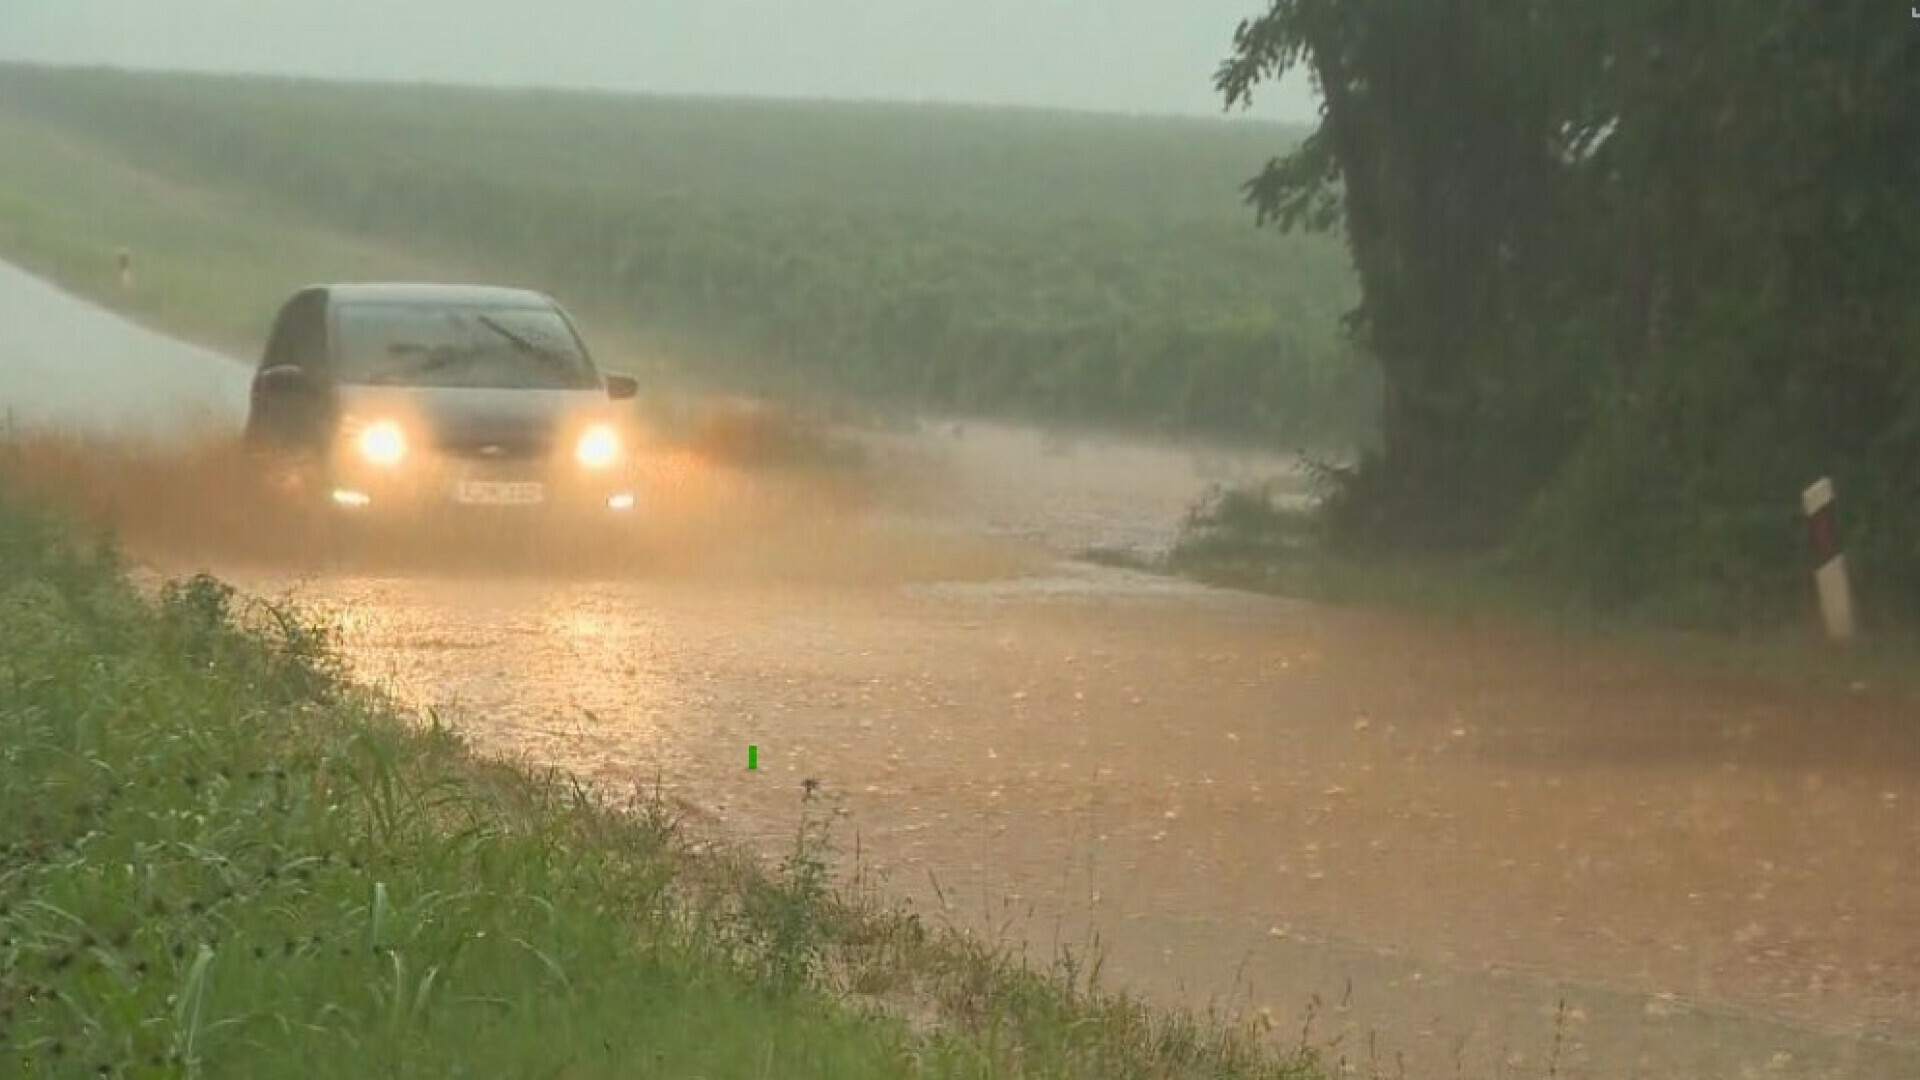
[299, 337]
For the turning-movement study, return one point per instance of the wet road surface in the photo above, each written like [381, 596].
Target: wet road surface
[1443, 830]
[65, 365]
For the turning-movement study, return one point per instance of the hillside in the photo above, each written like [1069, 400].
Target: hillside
[1010, 262]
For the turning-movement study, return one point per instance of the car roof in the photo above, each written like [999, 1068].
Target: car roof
[418, 293]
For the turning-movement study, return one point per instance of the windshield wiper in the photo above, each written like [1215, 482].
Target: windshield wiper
[522, 343]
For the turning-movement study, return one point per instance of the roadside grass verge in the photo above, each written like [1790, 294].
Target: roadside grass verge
[221, 857]
[1254, 537]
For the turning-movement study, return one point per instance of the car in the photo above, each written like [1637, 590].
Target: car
[393, 402]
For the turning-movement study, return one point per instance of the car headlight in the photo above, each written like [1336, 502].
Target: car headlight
[382, 443]
[599, 447]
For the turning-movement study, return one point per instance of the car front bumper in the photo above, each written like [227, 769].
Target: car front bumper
[480, 489]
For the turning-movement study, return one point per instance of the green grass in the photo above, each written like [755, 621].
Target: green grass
[218, 857]
[1058, 266]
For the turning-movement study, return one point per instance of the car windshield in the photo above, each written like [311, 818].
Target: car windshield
[465, 346]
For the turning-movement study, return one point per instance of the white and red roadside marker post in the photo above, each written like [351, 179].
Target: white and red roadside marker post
[1830, 564]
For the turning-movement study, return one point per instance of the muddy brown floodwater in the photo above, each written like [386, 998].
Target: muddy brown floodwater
[1444, 831]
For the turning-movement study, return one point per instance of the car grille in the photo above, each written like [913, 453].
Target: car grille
[501, 449]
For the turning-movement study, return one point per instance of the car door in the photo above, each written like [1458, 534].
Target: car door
[290, 404]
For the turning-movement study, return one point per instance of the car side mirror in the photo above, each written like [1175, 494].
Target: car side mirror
[288, 406]
[622, 387]
[282, 381]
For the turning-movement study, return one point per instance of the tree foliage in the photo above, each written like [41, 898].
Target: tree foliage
[1635, 271]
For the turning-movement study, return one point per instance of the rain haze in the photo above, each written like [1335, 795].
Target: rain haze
[1137, 56]
[764, 538]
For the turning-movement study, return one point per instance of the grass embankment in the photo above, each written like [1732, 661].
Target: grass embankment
[220, 858]
[991, 262]
[1251, 538]
[210, 266]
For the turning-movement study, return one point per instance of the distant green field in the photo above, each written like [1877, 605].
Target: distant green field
[1063, 266]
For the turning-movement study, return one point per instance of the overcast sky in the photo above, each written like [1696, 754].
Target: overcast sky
[1152, 56]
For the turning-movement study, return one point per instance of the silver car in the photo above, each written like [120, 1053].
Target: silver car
[393, 401]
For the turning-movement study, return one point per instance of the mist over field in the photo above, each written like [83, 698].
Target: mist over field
[1143, 56]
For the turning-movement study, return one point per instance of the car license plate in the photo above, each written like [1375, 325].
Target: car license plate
[500, 493]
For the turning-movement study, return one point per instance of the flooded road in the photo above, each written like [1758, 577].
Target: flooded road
[1451, 828]
[1443, 830]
